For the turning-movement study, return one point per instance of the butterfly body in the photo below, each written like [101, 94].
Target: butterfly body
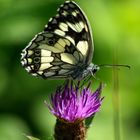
[64, 49]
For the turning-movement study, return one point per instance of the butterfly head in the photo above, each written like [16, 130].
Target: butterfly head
[90, 70]
[94, 69]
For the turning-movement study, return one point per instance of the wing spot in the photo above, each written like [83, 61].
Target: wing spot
[40, 72]
[45, 52]
[48, 74]
[39, 38]
[57, 15]
[51, 41]
[71, 40]
[57, 63]
[55, 68]
[33, 74]
[28, 69]
[50, 19]
[74, 14]
[54, 21]
[71, 5]
[24, 61]
[67, 1]
[63, 26]
[46, 59]
[65, 13]
[63, 71]
[76, 55]
[82, 46]
[58, 46]
[48, 35]
[67, 66]
[29, 60]
[50, 49]
[46, 25]
[32, 66]
[36, 66]
[30, 52]
[62, 42]
[79, 26]
[59, 32]
[44, 66]
[86, 28]
[61, 5]
[66, 7]
[68, 58]
[82, 25]
[36, 59]
[67, 42]
[59, 8]
[23, 53]
[72, 26]
[37, 52]
[33, 45]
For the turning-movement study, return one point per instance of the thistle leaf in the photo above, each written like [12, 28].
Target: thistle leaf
[88, 121]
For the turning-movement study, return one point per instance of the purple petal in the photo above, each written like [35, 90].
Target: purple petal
[70, 104]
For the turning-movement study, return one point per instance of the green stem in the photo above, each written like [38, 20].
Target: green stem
[116, 109]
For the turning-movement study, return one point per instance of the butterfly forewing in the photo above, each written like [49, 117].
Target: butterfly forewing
[64, 48]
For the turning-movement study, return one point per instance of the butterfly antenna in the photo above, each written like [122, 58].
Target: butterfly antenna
[109, 65]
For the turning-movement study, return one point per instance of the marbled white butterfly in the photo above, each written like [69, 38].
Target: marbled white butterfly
[64, 49]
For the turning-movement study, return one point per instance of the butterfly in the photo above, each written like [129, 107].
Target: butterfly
[64, 49]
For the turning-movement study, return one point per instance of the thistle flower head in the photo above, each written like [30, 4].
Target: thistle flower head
[72, 104]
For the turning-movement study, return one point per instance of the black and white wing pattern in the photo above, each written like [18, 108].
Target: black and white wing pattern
[64, 49]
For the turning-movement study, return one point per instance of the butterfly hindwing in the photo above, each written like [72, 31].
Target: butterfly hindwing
[62, 48]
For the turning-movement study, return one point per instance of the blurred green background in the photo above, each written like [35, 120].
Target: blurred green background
[115, 25]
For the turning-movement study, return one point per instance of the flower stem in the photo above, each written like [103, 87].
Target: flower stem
[70, 131]
[116, 101]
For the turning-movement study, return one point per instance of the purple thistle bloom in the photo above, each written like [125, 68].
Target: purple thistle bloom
[71, 104]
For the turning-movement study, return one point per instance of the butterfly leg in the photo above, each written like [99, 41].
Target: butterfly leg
[93, 75]
[85, 80]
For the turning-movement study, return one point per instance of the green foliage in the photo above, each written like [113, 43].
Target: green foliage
[115, 26]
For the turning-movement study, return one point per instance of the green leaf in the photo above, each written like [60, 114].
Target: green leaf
[88, 121]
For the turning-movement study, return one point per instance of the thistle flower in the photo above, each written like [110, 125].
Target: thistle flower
[72, 105]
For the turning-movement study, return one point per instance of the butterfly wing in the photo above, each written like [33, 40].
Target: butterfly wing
[62, 48]
[50, 55]
[72, 23]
